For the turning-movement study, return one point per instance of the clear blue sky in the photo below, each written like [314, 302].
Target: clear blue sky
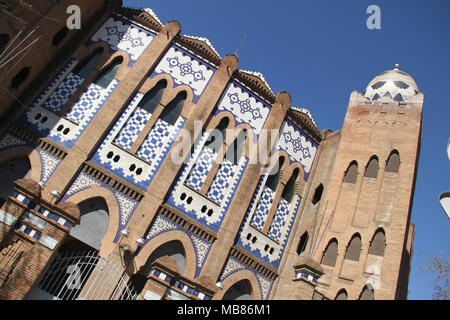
[320, 51]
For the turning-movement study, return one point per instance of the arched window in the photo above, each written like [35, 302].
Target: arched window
[274, 176]
[302, 243]
[59, 36]
[217, 136]
[85, 67]
[11, 171]
[354, 248]
[289, 188]
[107, 74]
[151, 99]
[372, 168]
[342, 295]
[239, 291]
[393, 162]
[367, 293]
[317, 194]
[94, 219]
[330, 255]
[172, 111]
[236, 150]
[378, 243]
[352, 173]
[173, 249]
[4, 39]
[19, 78]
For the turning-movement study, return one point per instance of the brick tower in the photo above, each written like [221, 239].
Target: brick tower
[358, 209]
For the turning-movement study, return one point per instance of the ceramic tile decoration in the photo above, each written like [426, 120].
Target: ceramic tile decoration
[162, 225]
[9, 140]
[263, 208]
[185, 69]
[245, 106]
[232, 265]
[122, 34]
[211, 209]
[298, 145]
[49, 163]
[268, 247]
[126, 205]
[138, 169]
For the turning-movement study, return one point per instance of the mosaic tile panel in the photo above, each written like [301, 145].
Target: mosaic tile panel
[64, 91]
[132, 128]
[268, 247]
[122, 34]
[49, 163]
[298, 146]
[200, 208]
[222, 181]
[201, 169]
[185, 69]
[245, 107]
[263, 208]
[137, 169]
[279, 220]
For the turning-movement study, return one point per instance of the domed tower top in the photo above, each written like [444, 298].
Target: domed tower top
[394, 84]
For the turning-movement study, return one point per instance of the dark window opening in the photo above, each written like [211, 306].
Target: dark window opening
[85, 67]
[302, 243]
[107, 75]
[378, 243]
[352, 173]
[152, 98]
[372, 168]
[354, 248]
[172, 111]
[289, 189]
[19, 78]
[274, 177]
[330, 255]
[59, 36]
[317, 194]
[393, 162]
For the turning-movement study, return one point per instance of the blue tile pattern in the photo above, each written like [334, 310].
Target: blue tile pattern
[141, 168]
[132, 128]
[185, 69]
[263, 208]
[201, 169]
[222, 181]
[64, 91]
[122, 34]
[279, 220]
[87, 102]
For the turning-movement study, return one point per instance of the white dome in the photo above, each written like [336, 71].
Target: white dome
[395, 84]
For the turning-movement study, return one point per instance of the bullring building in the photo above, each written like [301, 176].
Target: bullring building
[140, 163]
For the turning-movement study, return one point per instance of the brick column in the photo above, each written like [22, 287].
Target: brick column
[244, 193]
[307, 272]
[35, 230]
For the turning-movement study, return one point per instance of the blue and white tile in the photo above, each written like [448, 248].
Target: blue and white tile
[185, 69]
[298, 146]
[122, 34]
[263, 208]
[222, 181]
[245, 107]
[64, 91]
[49, 163]
[201, 169]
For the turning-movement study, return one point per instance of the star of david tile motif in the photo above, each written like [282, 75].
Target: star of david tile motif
[122, 34]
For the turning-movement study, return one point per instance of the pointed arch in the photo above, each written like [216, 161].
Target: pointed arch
[108, 73]
[107, 244]
[289, 188]
[341, 295]
[85, 67]
[367, 293]
[378, 243]
[393, 162]
[317, 194]
[275, 174]
[353, 251]
[351, 174]
[173, 109]
[372, 168]
[152, 98]
[303, 243]
[330, 254]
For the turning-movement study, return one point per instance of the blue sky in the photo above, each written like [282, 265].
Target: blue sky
[321, 50]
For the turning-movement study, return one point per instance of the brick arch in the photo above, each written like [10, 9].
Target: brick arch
[86, 52]
[239, 276]
[24, 152]
[123, 69]
[186, 242]
[107, 244]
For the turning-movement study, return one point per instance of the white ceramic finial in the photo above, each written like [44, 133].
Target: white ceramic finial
[396, 66]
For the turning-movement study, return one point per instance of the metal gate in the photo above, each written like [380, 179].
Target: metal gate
[75, 275]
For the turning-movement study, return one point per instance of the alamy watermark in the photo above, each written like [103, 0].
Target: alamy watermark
[374, 20]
